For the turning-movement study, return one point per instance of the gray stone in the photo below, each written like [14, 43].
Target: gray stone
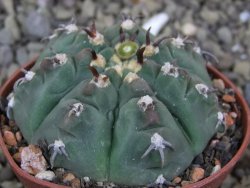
[8, 6]
[113, 8]
[12, 68]
[6, 55]
[68, 3]
[247, 92]
[201, 34]
[6, 174]
[37, 25]
[11, 184]
[22, 55]
[152, 6]
[11, 25]
[243, 69]
[6, 36]
[35, 46]
[62, 13]
[88, 9]
[210, 16]
[225, 35]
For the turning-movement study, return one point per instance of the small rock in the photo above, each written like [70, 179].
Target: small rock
[6, 55]
[197, 174]
[237, 48]
[177, 180]
[12, 184]
[216, 168]
[11, 25]
[32, 160]
[229, 121]
[22, 55]
[151, 6]
[244, 16]
[6, 36]
[201, 34]
[6, 174]
[62, 13]
[228, 98]
[210, 16]
[225, 35]
[35, 47]
[247, 92]
[68, 177]
[18, 136]
[184, 182]
[9, 138]
[189, 29]
[11, 69]
[68, 3]
[113, 8]
[46, 175]
[76, 183]
[219, 84]
[17, 157]
[243, 69]
[88, 9]
[37, 25]
[8, 6]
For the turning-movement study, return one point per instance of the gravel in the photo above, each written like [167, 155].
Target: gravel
[221, 28]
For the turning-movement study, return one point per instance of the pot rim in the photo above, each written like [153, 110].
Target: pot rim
[7, 87]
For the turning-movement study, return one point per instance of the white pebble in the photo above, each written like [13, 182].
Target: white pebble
[46, 175]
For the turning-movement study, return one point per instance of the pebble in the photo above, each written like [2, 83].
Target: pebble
[17, 157]
[229, 121]
[18, 136]
[62, 13]
[247, 92]
[8, 6]
[6, 36]
[9, 138]
[243, 69]
[219, 84]
[88, 9]
[177, 180]
[228, 98]
[189, 29]
[11, 25]
[37, 25]
[32, 160]
[210, 16]
[35, 46]
[244, 16]
[68, 177]
[69, 3]
[6, 55]
[11, 184]
[197, 174]
[6, 174]
[225, 35]
[76, 183]
[22, 55]
[46, 175]
[11, 69]
[216, 168]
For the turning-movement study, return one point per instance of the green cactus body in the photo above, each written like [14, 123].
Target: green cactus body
[143, 113]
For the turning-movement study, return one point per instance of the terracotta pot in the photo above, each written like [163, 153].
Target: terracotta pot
[213, 181]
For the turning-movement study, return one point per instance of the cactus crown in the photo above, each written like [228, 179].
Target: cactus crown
[117, 106]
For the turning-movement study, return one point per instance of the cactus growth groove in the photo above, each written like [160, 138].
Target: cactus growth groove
[118, 106]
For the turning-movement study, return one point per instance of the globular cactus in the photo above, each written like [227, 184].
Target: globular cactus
[120, 106]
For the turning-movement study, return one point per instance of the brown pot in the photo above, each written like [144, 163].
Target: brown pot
[212, 181]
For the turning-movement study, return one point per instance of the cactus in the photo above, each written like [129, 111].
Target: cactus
[120, 106]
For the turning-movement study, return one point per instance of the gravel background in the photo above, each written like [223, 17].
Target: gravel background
[221, 28]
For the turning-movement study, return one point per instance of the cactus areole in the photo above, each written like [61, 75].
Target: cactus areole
[118, 106]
